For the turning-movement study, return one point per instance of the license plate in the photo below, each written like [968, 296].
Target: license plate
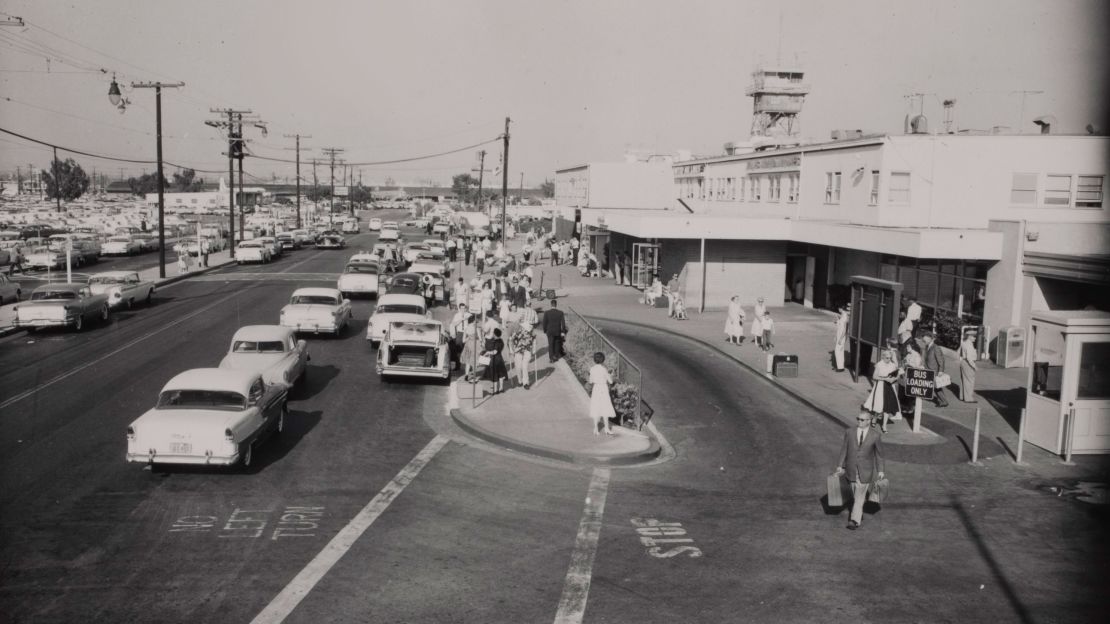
[181, 448]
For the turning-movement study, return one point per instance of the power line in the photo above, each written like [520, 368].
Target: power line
[393, 162]
[101, 156]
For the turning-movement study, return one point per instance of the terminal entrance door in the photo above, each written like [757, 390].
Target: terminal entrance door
[645, 264]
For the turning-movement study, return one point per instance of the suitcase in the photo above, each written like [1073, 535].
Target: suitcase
[835, 486]
[785, 365]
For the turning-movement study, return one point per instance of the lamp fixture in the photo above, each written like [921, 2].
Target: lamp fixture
[114, 95]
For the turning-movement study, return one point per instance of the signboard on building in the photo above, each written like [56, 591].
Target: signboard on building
[342, 191]
[920, 383]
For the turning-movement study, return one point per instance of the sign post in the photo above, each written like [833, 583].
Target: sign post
[920, 384]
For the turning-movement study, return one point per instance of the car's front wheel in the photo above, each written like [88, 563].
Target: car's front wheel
[79, 324]
[104, 315]
[280, 428]
[246, 452]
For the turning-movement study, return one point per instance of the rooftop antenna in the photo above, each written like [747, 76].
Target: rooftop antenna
[1021, 113]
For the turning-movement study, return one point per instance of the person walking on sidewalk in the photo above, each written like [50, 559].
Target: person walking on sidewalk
[768, 327]
[913, 314]
[496, 371]
[472, 344]
[601, 405]
[883, 398]
[16, 260]
[734, 324]
[934, 361]
[968, 354]
[861, 456]
[757, 322]
[841, 339]
[555, 327]
[521, 343]
[468, 247]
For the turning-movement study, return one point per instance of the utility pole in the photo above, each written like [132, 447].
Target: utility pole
[505, 180]
[157, 86]
[57, 182]
[331, 153]
[235, 149]
[298, 148]
[481, 172]
[520, 197]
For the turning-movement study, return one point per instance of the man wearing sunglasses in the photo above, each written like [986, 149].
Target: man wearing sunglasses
[861, 457]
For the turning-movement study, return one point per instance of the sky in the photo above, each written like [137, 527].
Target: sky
[582, 81]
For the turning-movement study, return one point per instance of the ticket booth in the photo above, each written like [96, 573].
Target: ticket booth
[1068, 393]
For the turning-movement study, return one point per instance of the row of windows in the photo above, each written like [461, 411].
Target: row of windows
[1057, 190]
[753, 188]
[897, 193]
[955, 286]
[181, 200]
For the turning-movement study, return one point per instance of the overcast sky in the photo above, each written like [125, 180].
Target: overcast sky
[582, 81]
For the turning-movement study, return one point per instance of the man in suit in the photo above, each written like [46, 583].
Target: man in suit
[555, 326]
[934, 361]
[861, 456]
[518, 294]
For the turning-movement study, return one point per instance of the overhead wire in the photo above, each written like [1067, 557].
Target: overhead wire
[391, 162]
[103, 157]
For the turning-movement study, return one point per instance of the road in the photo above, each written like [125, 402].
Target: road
[730, 529]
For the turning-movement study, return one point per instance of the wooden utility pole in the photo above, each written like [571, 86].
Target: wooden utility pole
[298, 148]
[481, 172]
[234, 140]
[58, 186]
[331, 153]
[505, 179]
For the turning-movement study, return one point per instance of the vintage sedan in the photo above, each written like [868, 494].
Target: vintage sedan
[270, 350]
[375, 224]
[331, 241]
[317, 310]
[360, 277]
[429, 282]
[208, 416]
[123, 288]
[394, 308]
[272, 244]
[10, 292]
[61, 305]
[121, 246]
[252, 250]
[412, 250]
[287, 241]
[44, 258]
[147, 241]
[414, 349]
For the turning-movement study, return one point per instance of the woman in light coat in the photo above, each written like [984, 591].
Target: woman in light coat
[757, 321]
[968, 355]
[734, 324]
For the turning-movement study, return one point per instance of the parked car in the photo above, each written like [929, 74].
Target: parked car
[414, 349]
[350, 226]
[272, 244]
[10, 292]
[316, 310]
[375, 224]
[147, 241]
[61, 305]
[208, 416]
[271, 350]
[121, 246]
[304, 237]
[331, 241]
[433, 285]
[288, 241]
[123, 288]
[411, 251]
[394, 308]
[43, 258]
[359, 277]
[252, 250]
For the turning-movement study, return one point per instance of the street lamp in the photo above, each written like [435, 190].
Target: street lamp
[114, 95]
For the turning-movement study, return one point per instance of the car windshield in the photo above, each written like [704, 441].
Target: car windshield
[310, 299]
[258, 346]
[106, 279]
[53, 294]
[399, 308]
[201, 399]
[362, 268]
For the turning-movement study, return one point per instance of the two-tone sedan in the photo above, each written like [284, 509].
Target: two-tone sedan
[272, 351]
[331, 241]
[414, 349]
[317, 310]
[252, 250]
[121, 245]
[210, 416]
[360, 278]
[61, 305]
[393, 308]
[123, 288]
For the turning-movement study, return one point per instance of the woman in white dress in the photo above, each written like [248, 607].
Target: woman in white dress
[968, 354]
[883, 398]
[757, 322]
[601, 406]
[734, 324]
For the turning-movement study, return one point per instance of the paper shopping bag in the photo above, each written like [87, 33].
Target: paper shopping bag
[836, 491]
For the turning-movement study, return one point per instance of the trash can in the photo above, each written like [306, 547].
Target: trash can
[1010, 348]
[785, 365]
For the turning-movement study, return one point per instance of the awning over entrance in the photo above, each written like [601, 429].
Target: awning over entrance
[1085, 269]
[956, 244]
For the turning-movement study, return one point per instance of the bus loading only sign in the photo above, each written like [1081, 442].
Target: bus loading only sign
[920, 383]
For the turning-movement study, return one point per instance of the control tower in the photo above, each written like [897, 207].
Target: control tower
[778, 94]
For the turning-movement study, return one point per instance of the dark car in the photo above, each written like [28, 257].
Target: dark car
[405, 284]
[288, 242]
[331, 241]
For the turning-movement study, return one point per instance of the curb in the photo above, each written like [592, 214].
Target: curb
[623, 459]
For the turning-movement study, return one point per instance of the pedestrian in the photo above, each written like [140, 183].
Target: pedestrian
[601, 404]
[555, 328]
[468, 247]
[527, 251]
[496, 371]
[504, 308]
[183, 262]
[518, 294]
[841, 338]
[883, 398]
[450, 249]
[905, 330]
[460, 294]
[911, 358]
[457, 329]
[768, 326]
[671, 291]
[618, 269]
[472, 337]
[16, 260]
[480, 262]
[861, 457]
[522, 340]
[934, 361]
[204, 253]
[626, 268]
[968, 354]
[575, 245]
[757, 322]
[554, 250]
[913, 314]
[734, 323]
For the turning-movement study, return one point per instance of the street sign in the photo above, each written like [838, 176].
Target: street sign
[342, 191]
[920, 383]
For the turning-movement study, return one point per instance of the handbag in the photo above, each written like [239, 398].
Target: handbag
[836, 491]
[483, 360]
[878, 491]
[942, 380]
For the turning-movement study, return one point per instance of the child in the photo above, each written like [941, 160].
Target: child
[768, 330]
[680, 309]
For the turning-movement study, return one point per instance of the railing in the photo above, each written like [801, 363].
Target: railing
[587, 340]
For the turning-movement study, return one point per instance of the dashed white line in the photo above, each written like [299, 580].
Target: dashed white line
[576, 586]
[297, 589]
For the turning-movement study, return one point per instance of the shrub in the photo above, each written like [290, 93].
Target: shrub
[581, 344]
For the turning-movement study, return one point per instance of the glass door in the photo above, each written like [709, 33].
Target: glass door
[645, 264]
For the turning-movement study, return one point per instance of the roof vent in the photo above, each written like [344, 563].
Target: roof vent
[919, 124]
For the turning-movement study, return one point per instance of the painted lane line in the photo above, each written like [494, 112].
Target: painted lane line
[576, 586]
[73, 371]
[297, 589]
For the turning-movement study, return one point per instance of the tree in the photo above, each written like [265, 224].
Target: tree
[461, 185]
[72, 181]
[147, 183]
[317, 193]
[187, 182]
[548, 188]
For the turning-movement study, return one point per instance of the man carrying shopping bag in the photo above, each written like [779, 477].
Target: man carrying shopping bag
[861, 457]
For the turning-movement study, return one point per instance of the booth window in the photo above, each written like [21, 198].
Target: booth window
[1047, 380]
[1094, 371]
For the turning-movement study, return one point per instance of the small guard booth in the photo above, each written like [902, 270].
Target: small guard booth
[1068, 394]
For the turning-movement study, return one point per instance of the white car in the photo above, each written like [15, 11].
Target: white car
[253, 250]
[208, 416]
[412, 250]
[121, 246]
[148, 241]
[316, 310]
[375, 224]
[389, 235]
[359, 278]
[414, 349]
[350, 227]
[124, 288]
[45, 259]
[394, 308]
[272, 351]
[435, 243]
[272, 244]
[441, 227]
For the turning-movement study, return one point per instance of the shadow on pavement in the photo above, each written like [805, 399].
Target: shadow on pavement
[315, 381]
[1008, 404]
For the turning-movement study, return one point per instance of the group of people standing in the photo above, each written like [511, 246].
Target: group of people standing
[762, 327]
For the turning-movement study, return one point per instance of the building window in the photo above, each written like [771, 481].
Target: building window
[193, 201]
[874, 197]
[1057, 190]
[792, 188]
[701, 189]
[1088, 191]
[755, 193]
[775, 188]
[832, 187]
[721, 188]
[1023, 189]
[899, 191]
[732, 189]
[743, 188]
